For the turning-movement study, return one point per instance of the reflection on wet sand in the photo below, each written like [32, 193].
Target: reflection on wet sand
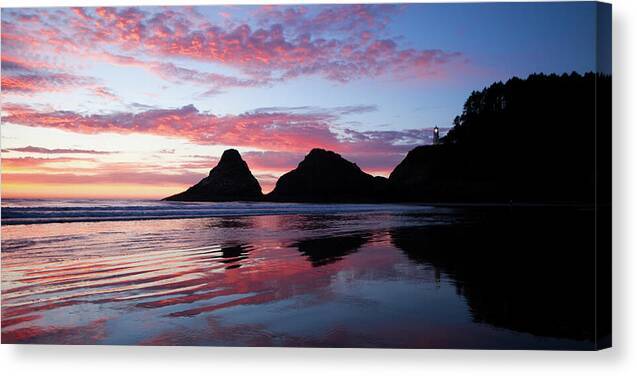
[529, 270]
[323, 251]
[233, 254]
[444, 278]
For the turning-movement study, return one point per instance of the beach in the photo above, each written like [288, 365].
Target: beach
[264, 274]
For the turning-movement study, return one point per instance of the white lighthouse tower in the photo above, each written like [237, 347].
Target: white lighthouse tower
[436, 136]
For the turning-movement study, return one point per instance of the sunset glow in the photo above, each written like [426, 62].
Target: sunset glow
[141, 102]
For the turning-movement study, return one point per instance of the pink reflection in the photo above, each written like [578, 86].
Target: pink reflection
[167, 270]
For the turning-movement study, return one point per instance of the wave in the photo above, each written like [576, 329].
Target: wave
[20, 211]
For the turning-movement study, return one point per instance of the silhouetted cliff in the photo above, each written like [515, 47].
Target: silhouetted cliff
[542, 139]
[230, 180]
[324, 176]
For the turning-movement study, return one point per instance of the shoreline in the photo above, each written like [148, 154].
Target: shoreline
[253, 209]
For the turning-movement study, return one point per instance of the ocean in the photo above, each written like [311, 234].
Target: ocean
[272, 274]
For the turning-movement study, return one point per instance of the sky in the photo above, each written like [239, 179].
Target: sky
[130, 102]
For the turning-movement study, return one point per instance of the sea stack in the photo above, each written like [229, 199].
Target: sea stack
[230, 180]
[426, 174]
[324, 176]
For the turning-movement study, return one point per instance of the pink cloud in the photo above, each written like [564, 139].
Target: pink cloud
[29, 83]
[275, 131]
[214, 82]
[17, 63]
[279, 130]
[104, 92]
[339, 43]
[41, 150]
[345, 18]
[27, 76]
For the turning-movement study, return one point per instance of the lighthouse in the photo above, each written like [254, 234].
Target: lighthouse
[436, 136]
